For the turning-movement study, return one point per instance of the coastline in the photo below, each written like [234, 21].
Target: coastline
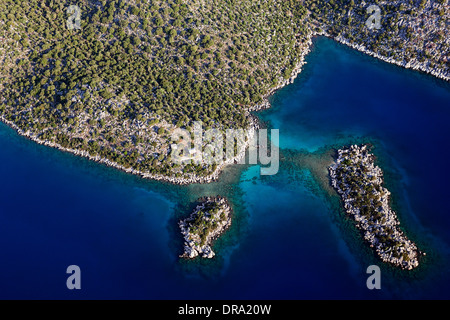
[264, 104]
[417, 66]
[112, 164]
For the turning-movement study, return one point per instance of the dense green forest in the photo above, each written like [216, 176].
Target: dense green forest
[134, 70]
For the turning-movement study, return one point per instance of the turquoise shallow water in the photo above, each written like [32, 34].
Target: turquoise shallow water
[288, 239]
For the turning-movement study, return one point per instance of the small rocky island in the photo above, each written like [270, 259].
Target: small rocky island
[208, 221]
[359, 183]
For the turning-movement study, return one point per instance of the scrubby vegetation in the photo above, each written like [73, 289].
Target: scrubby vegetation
[136, 70]
[412, 31]
[208, 221]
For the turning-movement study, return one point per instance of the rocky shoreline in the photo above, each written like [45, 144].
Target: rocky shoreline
[359, 183]
[414, 66]
[174, 180]
[208, 221]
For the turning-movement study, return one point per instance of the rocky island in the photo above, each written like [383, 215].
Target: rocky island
[359, 183]
[208, 221]
[118, 86]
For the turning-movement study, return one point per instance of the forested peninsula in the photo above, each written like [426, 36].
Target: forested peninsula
[112, 80]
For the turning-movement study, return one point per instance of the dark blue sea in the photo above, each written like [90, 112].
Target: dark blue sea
[289, 238]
